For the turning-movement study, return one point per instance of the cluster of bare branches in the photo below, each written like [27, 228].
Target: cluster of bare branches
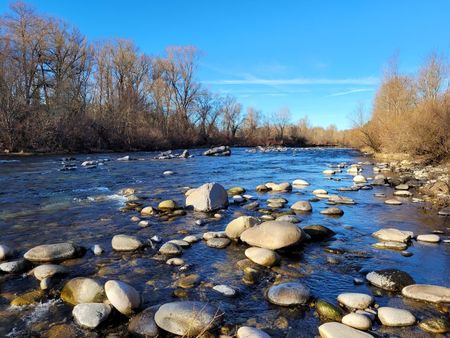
[411, 114]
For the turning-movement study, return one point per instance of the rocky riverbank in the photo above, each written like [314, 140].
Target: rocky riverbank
[271, 250]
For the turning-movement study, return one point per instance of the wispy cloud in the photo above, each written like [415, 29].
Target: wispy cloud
[352, 91]
[295, 81]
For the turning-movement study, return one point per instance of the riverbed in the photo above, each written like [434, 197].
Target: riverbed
[40, 204]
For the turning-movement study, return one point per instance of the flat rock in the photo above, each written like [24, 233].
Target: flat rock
[122, 296]
[143, 324]
[51, 252]
[390, 279]
[444, 212]
[261, 256]
[338, 330]
[430, 238]
[428, 293]
[300, 183]
[273, 235]
[286, 294]
[49, 270]
[218, 243]
[393, 201]
[188, 318]
[91, 315]
[225, 290]
[390, 316]
[170, 249]
[352, 300]
[288, 218]
[251, 332]
[333, 211]
[393, 235]
[390, 246]
[318, 232]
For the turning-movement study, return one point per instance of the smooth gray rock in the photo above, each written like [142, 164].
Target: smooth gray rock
[286, 294]
[91, 315]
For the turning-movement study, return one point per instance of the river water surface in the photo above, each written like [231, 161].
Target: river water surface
[41, 204]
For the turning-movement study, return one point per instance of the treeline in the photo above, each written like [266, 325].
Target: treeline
[59, 91]
[411, 114]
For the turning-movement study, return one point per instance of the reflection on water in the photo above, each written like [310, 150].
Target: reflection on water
[41, 204]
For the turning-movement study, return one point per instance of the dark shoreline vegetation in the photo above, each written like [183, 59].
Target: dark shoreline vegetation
[60, 93]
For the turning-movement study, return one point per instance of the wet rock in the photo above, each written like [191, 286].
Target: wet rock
[5, 252]
[126, 243]
[338, 330]
[82, 290]
[97, 250]
[91, 315]
[341, 200]
[175, 261]
[355, 300]
[430, 238]
[427, 293]
[147, 211]
[52, 252]
[143, 324]
[188, 282]
[251, 275]
[359, 179]
[17, 266]
[288, 218]
[333, 211]
[180, 242]
[328, 311]
[390, 316]
[237, 226]
[403, 193]
[170, 249]
[303, 206]
[329, 172]
[318, 232]
[225, 290]
[435, 325]
[390, 279]
[284, 186]
[392, 201]
[405, 253]
[208, 197]
[192, 238]
[49, 270]
[262, 188]
[282, 234]
[357, 321]
[251, 332]
[46, 283]
[286, 294]
[28, 298]
[218, 243]
[188, 318]
[300, 183]
[62, 330]
[390, 246]
[393, 235]
[262, 256]
[122, 296]
[167, 205]
[218, 151]
[235, 191]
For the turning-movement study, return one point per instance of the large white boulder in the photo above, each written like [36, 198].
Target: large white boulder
[208, 197]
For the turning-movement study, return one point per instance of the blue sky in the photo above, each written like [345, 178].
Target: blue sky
[318, 58]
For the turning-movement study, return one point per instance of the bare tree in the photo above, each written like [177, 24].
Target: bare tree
[231, 111]
[281, 120]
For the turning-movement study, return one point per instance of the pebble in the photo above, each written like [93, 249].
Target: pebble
[175, 261]
[97, 250]
[430, 238]
[144, 224]
[225, 290]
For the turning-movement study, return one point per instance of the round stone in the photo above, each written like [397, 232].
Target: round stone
[357, 321]
[51, 252]
[122, 296]
[225, 290]
[218, 243]
[170, 249]
[318, 232]
[251, 332]
[286, 294]
[328, 311]
[49, 270]
[430, 238]
[282, 234]
[427, 293]
[303, 206]
[188, 318]
[91, 315]
[237, 226]
[143, 324]
[300, 183]
[261, 256]
[333, 211]
[82, 290]
[390, 279]
[126, 243]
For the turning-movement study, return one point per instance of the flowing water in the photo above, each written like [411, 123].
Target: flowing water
[41, 204]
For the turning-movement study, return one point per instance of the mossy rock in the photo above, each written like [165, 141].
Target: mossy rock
[82, 290]
[236, 191]
[435, 325]
[167, 205]
[28, 298]
[328, 311]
